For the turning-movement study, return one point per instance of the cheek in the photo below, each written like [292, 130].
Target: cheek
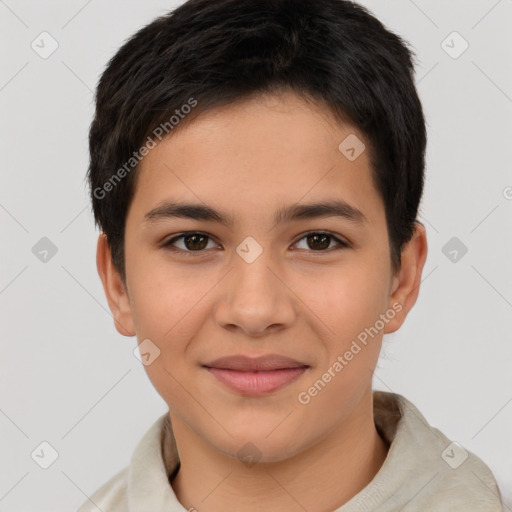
[167, 308]
[163, 297]
[167, 312]
[348, 300]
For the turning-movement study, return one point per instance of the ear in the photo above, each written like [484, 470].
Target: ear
[406, 282]
[114, 287]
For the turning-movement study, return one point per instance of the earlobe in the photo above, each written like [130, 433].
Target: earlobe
[114, 288]
[406, 283]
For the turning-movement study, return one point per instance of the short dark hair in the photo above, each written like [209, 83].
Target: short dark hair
[209, 53]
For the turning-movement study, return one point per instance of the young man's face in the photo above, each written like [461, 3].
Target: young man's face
[256, 288]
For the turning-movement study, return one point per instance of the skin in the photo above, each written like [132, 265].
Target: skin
[249, 159]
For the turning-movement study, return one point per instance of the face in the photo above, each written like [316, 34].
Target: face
[261, 281]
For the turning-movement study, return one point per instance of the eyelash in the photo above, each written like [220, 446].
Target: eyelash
[168, 244]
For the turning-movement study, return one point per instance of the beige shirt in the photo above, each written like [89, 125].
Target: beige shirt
[423, 471]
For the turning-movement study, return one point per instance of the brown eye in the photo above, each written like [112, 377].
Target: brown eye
[320, 242]
[194, 242]
[191, 242]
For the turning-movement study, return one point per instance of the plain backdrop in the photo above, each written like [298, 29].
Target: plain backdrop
[70, 380]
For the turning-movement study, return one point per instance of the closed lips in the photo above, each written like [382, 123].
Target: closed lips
[266, 363]
[256, 376]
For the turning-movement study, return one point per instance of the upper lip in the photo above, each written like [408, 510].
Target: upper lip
[262, 363]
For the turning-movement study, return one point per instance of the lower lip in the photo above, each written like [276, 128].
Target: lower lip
[257, 383]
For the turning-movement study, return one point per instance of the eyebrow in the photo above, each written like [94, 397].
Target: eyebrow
[196, 211]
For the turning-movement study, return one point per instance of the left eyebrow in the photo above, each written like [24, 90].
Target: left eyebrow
[335, 208]
[196, 211]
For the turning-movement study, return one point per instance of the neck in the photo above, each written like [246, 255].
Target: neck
[324, 477]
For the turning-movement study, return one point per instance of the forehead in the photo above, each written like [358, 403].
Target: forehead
[256, 154]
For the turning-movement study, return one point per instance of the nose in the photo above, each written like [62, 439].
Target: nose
[255, 298]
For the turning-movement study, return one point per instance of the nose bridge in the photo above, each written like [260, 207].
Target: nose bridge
[252, 272]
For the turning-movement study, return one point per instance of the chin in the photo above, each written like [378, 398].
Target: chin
[251, 445]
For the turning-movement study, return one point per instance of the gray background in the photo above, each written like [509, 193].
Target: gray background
[67, 376]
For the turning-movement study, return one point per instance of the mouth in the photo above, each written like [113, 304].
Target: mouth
[256, 376]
